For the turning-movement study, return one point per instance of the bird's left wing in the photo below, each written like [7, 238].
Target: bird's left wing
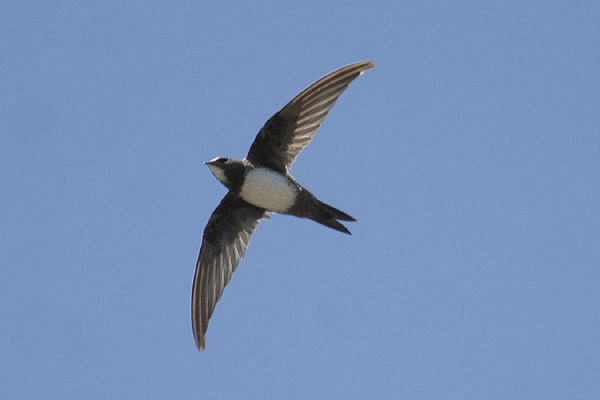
[286, 133]
[225, 240]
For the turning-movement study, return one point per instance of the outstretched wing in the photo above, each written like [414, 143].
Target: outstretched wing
[225, 240]
[286, 133]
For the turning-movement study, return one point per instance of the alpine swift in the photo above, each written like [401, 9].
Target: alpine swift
[261, 182]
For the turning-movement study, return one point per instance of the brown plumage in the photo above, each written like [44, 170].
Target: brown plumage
[275, 148]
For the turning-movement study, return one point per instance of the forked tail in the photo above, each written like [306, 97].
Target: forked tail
[328, 216]
[308, 206]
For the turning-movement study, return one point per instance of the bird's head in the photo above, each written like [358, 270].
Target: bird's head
[227, 170]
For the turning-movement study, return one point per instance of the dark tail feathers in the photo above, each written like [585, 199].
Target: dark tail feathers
[328, 216]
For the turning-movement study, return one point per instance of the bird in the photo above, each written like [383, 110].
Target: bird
[261, 183]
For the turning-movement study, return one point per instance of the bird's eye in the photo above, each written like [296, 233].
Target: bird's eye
[222, 160]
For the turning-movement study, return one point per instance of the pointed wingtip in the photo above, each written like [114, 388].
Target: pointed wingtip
[200, 341]
[365, 65]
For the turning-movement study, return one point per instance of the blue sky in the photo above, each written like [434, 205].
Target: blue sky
[469, 156]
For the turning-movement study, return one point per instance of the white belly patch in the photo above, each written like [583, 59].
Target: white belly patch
[269, 190]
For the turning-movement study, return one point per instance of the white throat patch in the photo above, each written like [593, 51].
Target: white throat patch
[268, 189]
[218, 173]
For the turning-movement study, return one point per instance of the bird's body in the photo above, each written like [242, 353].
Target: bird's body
[260, 183]
[269, 189]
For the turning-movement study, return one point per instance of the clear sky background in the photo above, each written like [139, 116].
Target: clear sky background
[470, 156]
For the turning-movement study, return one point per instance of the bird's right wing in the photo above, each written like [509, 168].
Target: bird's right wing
[225, 240]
